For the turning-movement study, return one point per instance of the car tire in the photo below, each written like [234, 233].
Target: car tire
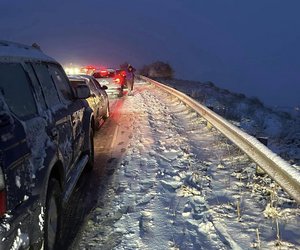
[90, 164]
[107, 113]
[97, 124]
[52, 216]
[121, 92]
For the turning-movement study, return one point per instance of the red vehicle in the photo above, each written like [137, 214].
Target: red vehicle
[89, 70]
[120, 77]
[104, 73]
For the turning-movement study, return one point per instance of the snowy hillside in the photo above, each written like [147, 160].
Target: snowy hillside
[282, 129]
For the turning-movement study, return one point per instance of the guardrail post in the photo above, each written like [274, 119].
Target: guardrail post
[210, 107]
[208, 124]
[263, 140]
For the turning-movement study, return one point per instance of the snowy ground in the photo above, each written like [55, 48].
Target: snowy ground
[173, 183]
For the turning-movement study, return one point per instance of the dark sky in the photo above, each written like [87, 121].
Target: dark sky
[251, 47]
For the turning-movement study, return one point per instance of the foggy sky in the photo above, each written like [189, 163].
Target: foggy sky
[252, 47]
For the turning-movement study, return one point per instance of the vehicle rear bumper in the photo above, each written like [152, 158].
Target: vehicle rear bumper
[114, 90]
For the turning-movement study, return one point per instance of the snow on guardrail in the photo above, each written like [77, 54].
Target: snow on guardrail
[277, 168]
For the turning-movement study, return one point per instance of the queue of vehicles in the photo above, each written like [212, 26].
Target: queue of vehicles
[47, 123]
[114, 79]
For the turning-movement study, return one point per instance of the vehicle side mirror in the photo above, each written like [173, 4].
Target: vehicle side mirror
[104, 87]
[82, 91]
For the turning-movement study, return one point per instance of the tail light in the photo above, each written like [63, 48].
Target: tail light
[2, 195]
[103, 72]
[2, 203]
[117, 80]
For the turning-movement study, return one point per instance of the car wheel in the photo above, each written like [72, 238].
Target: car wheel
[97, 124]
[120, 92]
[107, 113]
[90, 164]
[52, 215]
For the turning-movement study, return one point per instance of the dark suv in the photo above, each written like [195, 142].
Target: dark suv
[46, 141]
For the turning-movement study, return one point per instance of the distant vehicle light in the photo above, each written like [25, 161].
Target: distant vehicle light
[72, 70]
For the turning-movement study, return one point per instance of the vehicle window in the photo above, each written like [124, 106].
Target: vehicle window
[111, 74]
[61, 82]
[37, 87]
[47, 84]
[15, 87]
[76, 82]
[92, 86]
[97, 84]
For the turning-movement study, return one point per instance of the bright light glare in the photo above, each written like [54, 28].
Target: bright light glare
[72, 70]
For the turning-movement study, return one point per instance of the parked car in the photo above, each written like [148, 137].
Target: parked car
[46, 141]
[113, 88]
[98, 100]
[88, 70]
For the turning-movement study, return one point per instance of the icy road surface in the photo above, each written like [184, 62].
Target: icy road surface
[164, 180]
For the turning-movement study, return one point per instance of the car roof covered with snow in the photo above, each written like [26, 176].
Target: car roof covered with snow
[10, 51]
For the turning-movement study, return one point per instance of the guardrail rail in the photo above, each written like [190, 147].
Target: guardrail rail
[277, 168]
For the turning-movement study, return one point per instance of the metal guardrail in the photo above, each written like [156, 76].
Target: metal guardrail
[277, 168]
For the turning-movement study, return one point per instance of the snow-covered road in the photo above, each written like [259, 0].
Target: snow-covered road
[170, 182]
